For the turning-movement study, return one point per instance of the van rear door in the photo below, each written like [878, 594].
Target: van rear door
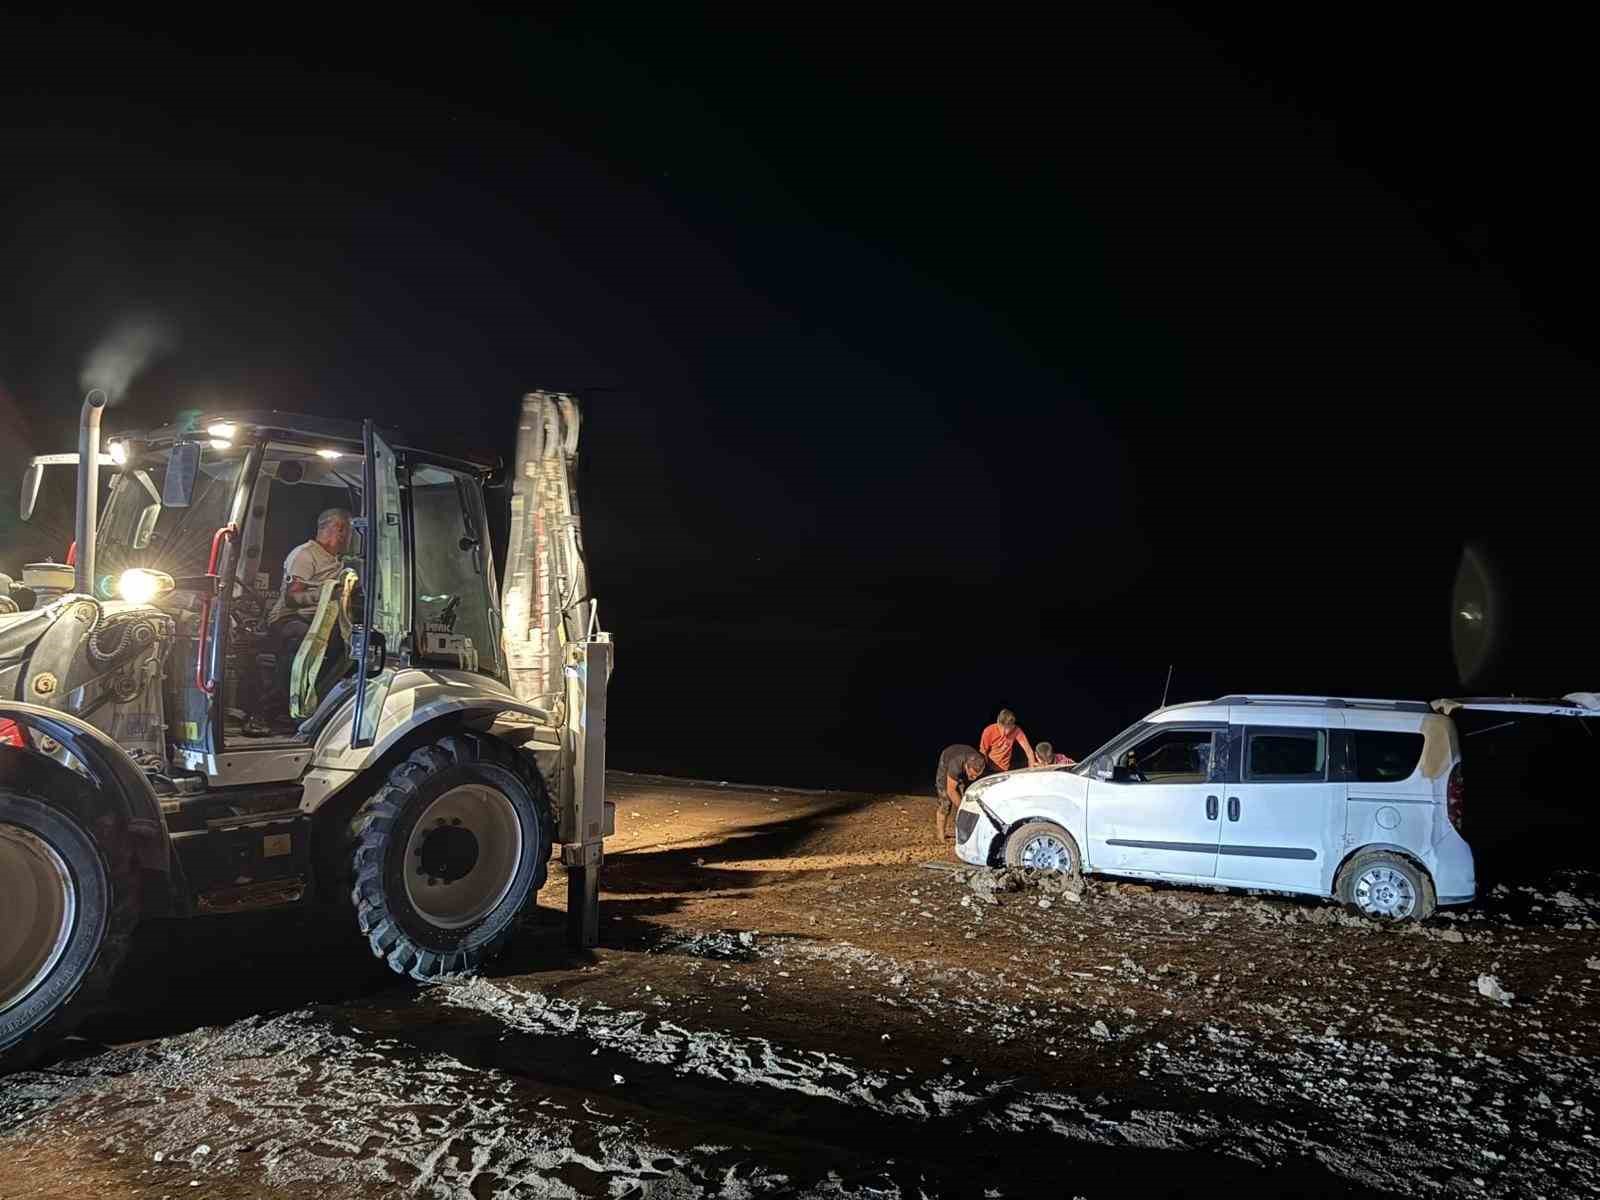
[1574, 704]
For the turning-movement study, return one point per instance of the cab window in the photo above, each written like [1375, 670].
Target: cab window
[454, 581]
[136, 531]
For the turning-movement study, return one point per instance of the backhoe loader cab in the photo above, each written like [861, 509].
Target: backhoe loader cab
[185, 730]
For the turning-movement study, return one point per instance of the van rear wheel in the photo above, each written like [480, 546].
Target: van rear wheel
[1387, 887]
[449, 856]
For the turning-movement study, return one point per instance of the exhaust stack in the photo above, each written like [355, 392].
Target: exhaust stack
[88, 488]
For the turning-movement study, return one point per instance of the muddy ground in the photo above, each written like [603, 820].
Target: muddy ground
[787, 1002]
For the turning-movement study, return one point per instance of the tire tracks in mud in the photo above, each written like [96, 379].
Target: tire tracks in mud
[472, 1089]
[814, 1111]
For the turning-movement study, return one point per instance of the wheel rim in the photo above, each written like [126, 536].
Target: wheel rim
[1385, 892]
[40, 903]
[1046, 852]
[462, 856]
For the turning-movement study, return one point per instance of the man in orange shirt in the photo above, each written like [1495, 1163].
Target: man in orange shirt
[999, 739]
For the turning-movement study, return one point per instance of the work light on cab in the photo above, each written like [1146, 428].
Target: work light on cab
[141, 586]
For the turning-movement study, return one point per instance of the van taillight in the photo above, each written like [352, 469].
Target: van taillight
[1456, 798]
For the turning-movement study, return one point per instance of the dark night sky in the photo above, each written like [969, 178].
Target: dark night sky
[937, 365]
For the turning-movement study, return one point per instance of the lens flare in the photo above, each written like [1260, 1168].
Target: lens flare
[139, 586]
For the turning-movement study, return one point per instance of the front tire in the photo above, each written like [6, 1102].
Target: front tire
[65, 917]
[449, 856]
[1046, 846]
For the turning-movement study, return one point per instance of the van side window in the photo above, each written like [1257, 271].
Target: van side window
[1383, 756]
[1286, 755]
[1168, 756]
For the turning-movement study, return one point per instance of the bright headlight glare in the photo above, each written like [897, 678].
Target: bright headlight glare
[330, 455]
[222, 429]
[139, 586]
[118, 452]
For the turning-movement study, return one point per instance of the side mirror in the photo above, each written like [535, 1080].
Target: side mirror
[1101, 767]
[30, 489]
[183, 468]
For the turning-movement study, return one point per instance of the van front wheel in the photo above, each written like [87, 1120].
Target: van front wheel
[1044, 846]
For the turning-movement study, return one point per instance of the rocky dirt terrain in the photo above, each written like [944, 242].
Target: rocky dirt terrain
[804, 994]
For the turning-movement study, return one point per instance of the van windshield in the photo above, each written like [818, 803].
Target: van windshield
[1081, 767]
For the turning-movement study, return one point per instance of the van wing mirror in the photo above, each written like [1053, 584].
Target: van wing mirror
[183, 467]
[30, 489]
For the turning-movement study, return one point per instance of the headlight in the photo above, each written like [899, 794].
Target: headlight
[118, 450]
[140, 586]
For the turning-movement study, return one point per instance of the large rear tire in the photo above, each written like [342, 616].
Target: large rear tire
[66, 911]
[449, 856]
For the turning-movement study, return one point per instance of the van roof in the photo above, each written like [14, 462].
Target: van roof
[1326, 702]
[1217, 710]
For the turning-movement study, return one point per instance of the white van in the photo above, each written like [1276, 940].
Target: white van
[1359, 800]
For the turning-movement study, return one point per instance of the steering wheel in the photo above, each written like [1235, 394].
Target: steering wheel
[254, 606]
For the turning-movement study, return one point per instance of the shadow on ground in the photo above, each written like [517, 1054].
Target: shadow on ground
[667, 867]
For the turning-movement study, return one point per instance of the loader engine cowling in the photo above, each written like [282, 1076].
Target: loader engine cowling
[102, 662]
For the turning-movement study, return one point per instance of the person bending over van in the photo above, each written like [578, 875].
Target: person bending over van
[1045, 756]
[1000, 738]
[958, 766]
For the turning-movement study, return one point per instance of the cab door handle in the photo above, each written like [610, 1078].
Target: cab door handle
[1211, 808]
[1233, 808]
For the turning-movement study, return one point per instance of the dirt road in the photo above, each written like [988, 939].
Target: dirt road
[787, 1003]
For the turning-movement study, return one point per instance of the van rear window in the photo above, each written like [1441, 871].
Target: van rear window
[1383, 756]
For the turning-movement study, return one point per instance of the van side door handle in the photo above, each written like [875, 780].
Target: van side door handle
[1233, 808]
[1211, 808]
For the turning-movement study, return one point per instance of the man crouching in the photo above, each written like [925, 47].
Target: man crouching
[958, 766]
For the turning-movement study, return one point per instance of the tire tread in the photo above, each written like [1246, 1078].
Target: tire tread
[369, 831]
[122, 915]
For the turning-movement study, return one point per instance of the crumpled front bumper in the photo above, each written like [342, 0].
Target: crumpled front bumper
[974, 834]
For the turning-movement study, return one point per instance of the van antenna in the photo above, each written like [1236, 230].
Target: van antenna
[1168, 686]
